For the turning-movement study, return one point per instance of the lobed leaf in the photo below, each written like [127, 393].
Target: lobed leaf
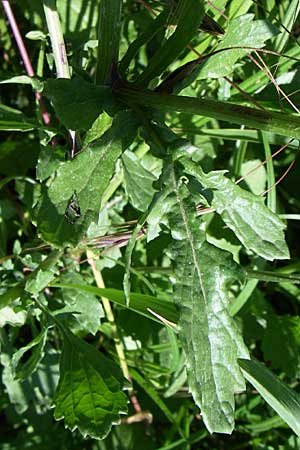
[257, 227]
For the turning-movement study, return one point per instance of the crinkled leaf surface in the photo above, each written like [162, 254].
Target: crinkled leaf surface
[209, 335]
[78, 103]
[87, 175]
[89, 394]
[256, 226]
[242, 31]
[138, 181]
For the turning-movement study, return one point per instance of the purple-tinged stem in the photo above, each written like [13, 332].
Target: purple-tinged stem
[24, 55]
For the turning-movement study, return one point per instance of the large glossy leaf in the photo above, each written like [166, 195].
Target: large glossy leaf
[242, 31]
[256, 226]
[87, 177]
[89, 395]
[209, 335]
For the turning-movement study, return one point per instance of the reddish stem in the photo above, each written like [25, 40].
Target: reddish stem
[24, 55]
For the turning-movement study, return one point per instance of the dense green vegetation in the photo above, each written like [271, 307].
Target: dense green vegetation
[149, 225]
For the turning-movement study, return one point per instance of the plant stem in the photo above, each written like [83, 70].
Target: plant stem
[280, 123]
[57, 39]
[24, 55]
[111, 319]
[59, 51]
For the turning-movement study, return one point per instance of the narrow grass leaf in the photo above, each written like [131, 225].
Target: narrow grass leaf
[14, 120]
[188, 15]
[108, 39]
[139, 303]
[275, 122]
[280, 397]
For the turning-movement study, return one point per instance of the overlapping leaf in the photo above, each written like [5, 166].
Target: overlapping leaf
[87, 176]
[210, 337]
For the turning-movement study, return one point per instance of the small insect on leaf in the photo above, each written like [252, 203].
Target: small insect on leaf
[73, 213]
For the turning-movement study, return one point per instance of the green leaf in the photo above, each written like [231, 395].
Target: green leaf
[108, 38]
[37, 345]
[89, 394]
[88, 174]
[153, 395]
[280, 397]
[280, 343]
[145, 36]
[242, 31]
[85, 306]
[210, 337]
[44, 274]
[256, 226]
[138, 181]
[188, 16]
[140, 303]
[78, 103]
[14, 120]
[11, 295]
